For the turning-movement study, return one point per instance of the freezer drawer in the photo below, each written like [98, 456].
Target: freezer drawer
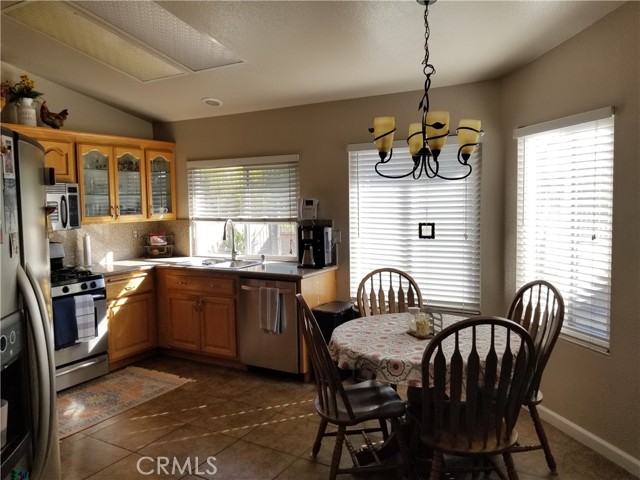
[259, 347]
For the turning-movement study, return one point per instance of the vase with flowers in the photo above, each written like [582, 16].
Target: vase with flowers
[23, 94]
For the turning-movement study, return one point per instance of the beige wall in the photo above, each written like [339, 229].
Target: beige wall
[85, 113]
[597, 68]
[320, 133]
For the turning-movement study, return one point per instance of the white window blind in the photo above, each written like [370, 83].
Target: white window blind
[263, 189]
[565, 192]
[384, 221]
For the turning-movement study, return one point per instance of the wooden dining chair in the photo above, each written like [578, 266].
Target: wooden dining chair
[350, 406]
[472, 391]
[539, 308]
[387, 290]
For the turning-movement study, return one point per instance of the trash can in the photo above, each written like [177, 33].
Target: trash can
[332, 314]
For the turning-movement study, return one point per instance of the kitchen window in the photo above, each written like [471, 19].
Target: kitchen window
[385, 217]
[260, 195]
[565, 205]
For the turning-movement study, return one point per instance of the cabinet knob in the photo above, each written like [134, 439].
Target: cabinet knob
[180, 282]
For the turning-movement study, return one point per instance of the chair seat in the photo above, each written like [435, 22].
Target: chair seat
[446, 442]
[369, 400]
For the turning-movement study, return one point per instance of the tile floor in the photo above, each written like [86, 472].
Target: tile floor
[257, 426]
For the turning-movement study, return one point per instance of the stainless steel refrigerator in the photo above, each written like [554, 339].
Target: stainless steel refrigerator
[30, 438]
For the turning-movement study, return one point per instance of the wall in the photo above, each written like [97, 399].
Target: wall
[320, 133]
[597, 68]
[85, 113]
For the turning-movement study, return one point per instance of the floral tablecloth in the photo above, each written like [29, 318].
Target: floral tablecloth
[380, 345]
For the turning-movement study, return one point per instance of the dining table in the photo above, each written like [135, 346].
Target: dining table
[381, 347]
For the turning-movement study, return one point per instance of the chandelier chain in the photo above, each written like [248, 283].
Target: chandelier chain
[428, 69]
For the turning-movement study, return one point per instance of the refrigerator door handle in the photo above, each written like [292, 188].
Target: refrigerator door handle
[42, 356]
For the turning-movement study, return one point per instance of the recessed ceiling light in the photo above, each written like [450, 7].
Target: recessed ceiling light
[212, 102]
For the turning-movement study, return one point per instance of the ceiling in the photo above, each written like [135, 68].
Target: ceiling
[288, 53]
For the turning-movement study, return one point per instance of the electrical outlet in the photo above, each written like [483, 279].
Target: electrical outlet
[135, 233]
[337, 236]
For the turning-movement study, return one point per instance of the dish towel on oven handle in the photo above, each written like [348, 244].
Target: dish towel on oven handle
[272, 319]
[85, 317]
[65, 329]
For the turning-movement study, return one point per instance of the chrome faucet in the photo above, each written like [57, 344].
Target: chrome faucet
[233, 237]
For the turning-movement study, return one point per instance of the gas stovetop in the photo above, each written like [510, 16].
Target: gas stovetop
[68, 281]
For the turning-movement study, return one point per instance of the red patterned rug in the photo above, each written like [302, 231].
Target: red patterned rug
[92, 402]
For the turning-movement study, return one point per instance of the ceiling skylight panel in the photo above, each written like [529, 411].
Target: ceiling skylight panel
[153, 25]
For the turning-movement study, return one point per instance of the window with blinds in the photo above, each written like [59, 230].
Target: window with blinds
[260, 195]
[385, 215]
[565, 192]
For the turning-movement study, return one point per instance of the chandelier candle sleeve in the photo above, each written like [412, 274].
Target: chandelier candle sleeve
[437, 124]
[415, 138]
[468, 135]
[383, 128]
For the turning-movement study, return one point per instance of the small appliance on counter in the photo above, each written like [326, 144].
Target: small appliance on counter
[158, 245]
[315, 243]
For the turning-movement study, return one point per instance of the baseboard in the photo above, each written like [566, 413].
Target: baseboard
[604, 448]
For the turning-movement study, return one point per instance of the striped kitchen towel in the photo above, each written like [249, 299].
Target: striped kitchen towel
[85, 317]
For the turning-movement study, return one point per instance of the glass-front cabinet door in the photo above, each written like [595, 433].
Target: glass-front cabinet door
[130, 183]
[161, 183]
[95, 175]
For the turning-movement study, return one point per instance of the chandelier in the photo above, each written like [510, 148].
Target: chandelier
[426, 139]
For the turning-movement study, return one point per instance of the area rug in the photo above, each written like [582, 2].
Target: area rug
[92, 402]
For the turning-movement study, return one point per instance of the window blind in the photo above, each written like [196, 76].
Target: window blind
[384, 217]
[565, 201]
[265, 189]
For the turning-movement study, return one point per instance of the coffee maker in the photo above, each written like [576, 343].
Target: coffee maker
[315, 243]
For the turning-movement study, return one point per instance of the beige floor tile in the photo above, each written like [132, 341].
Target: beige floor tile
[181, 405]
[137, 431]
[136, 466]
[82, 456]
[305, 469]
[286, 433]
[233, 418]
[189, 441]
[247, 461]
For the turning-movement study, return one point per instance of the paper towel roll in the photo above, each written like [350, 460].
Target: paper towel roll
[86, 244]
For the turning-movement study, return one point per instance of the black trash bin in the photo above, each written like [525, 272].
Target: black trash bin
[332, 314]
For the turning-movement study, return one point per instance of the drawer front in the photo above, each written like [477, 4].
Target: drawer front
[204, 284]
[119, 286]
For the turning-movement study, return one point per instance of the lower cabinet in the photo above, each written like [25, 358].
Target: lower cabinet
[197, 312]
[131, 315]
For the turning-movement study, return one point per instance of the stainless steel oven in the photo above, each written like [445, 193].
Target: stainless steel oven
[79, 360]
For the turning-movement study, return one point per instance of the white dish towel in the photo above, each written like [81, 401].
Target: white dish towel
[85, 317]
[271, 311]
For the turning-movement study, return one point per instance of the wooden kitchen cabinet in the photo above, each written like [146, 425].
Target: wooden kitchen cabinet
[59, 150]
[161, 183]
[131, 315]
[112, 183]
[197, 312]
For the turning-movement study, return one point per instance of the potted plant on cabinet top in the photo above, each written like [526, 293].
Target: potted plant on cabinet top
[23, 95]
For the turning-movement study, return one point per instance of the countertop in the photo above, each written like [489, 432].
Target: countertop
[285, 270]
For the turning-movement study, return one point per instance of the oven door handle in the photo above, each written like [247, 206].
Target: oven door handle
[90, 363]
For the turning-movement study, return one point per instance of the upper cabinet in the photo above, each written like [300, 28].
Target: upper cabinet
[59, 150]
[112, 183]
[161, 180]
[122, 179]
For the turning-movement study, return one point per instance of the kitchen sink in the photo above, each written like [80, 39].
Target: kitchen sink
[229, 264]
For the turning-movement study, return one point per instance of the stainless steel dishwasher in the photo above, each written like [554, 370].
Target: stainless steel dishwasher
[260, 348]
